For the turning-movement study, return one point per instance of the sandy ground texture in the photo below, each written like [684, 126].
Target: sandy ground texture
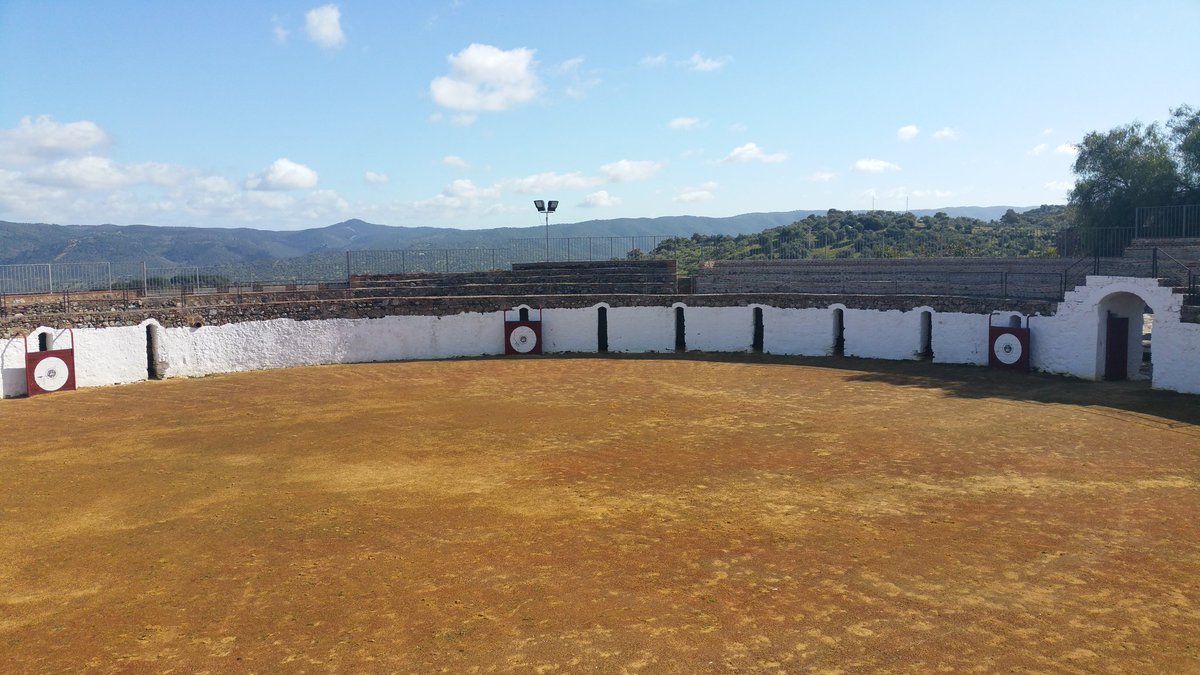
[588, 514]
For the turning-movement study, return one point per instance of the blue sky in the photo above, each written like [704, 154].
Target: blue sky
[286, 115]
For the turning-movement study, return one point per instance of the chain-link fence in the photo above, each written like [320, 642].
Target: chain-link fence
[335, 269]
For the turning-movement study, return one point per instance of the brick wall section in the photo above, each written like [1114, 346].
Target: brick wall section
[302, 306]
[1034, 278]
[603, 277]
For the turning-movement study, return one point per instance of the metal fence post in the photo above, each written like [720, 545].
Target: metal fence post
[50, 276]
[108, 265]
[349, 269]
[1154, 262]
[145, 289]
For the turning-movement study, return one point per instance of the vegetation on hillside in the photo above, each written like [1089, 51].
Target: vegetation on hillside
[879, 234]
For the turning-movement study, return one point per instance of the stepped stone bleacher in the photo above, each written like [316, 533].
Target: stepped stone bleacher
[990, 277]
[1175, 257]
[619, 277]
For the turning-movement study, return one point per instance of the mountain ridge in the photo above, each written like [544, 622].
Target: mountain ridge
[167, 245]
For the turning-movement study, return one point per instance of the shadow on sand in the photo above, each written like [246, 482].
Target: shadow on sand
[973, 382]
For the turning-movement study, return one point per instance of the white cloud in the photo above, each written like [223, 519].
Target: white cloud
[455, 161]
[218, 185]
[946, 134]
[690, 196]
[283, 174]
[685, 123]
[464, 188]
[88, 173]
[1059, 186]
[545, 182]
[1047, 131]
[376, 178]
[486, 78]
[101, 173]
[627, 170]
[750, 152]
[568, 66]
[1038, 149]
[653, 61]
[323, 204]
[579, 84]
[875, 166]
[324, 26]
[701, 64]
[42, 138]
[277, 29]
[821, 176]
[459, 196]
[1067, 149]
[907, 133]
[600, 199]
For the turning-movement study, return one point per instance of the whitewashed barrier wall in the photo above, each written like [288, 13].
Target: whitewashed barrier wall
[1070, 341]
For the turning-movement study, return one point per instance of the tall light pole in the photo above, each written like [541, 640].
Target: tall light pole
[546, 208]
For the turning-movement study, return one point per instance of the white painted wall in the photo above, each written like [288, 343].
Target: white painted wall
[12, 367]
[110, 355]
[961, 338]
[641, 329]
[571, 330]
[285, 343]
[1175, 354]
[1069, 341]
[799, 332]
[883, 334]
[718, 329]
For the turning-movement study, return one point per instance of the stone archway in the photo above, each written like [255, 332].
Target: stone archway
[1119, 336]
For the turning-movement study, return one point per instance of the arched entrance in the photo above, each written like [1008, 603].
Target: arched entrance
[1121, 354]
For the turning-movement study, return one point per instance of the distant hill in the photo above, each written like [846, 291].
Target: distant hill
[206, 246]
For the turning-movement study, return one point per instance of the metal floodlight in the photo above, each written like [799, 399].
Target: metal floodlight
[547, 209]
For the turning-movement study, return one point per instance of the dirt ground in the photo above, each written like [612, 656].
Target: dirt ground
[582, 514]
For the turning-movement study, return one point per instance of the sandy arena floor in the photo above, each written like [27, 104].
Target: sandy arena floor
[581, 514]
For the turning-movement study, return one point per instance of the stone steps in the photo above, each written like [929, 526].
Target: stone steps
[556, 278]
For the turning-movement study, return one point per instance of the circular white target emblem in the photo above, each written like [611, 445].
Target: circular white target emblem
[522, 339]
[1007, 349]
[51, 373]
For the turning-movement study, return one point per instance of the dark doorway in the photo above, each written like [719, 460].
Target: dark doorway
[680, 339]
[1116, 348]
[839, 333]
[927, 335]
[43, 342]
[152, 354]
[602, 329]
[757, 343]
[523, 314]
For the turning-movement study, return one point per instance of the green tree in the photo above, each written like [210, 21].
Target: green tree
[1137, 165]
[1120, 170]
[1185, 133]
